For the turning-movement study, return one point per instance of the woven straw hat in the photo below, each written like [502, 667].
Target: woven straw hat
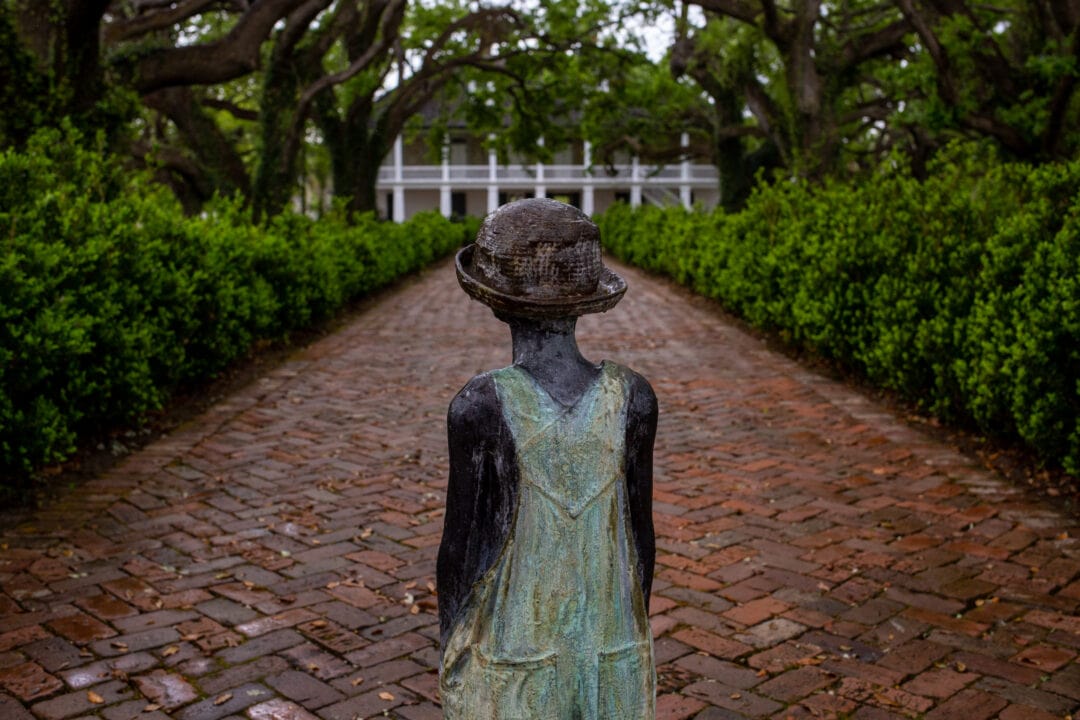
[539, 258]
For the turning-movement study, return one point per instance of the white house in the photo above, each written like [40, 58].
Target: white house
[471, 181]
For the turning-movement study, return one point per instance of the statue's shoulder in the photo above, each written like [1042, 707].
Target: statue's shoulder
[638, 389]
[475, 402]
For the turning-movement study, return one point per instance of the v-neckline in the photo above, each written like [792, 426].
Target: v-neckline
[592, 387]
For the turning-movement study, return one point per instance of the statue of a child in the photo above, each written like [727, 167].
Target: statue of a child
[546, 561]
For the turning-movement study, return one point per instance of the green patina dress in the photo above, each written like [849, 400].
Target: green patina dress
[557, 627]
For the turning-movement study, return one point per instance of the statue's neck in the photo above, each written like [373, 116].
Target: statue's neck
[548, 351]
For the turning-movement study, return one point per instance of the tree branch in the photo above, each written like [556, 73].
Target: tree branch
[1059, 104]
[232, 108]
[878, 109]
[167, 15]
[393, 14]
[767, 114]
[1007, 135]
[297, 24]
[202, 135]
[392, 18]
[737, 9]
[882, 42]
[729, 132]
[946, 85]
[773, 27]
[419, 88]
[232, 56]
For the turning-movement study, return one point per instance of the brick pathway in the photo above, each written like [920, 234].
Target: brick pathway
[275, 557]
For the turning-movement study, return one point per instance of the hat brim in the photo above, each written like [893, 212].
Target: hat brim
[609, 290]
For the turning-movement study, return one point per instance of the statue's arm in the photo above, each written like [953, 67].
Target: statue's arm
[641, 417]
[480, 497]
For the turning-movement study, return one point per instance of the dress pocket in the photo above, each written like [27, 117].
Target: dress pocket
[626, 684]
[516, 690]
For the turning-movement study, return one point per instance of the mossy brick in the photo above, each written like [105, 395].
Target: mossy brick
[263, 645]
[83, 701]
[229, 702]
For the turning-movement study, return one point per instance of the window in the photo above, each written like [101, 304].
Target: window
[505, 197]
[459, 152]
[457, 205]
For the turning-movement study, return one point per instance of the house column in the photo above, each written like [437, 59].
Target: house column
[445, 205]
[635, 182]
[398, 211]
[588, 202]
[493, 181]
[541, 187]
[684, 172]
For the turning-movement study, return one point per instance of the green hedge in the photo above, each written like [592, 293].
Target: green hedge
[961, 292]
[110, 298]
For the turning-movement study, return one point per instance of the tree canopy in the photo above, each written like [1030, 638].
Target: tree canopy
[262, 98]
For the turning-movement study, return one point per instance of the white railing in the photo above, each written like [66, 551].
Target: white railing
[431, 176]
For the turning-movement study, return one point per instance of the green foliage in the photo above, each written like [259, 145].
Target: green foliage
[961, 292]
[23, 88]
[1005, 70]
[567, 72]
[110, 298]
[642, 110]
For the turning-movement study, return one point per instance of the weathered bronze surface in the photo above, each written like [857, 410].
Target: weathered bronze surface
[546, 562]
[539, 258]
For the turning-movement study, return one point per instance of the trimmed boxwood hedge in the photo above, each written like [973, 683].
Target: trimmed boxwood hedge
[110, 298]
[960, 292]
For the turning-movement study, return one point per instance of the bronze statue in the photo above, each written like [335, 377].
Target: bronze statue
[546, 561]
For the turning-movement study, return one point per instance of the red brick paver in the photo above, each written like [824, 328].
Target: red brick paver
[274, 558]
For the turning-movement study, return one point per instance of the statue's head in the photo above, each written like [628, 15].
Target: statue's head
[538, 258]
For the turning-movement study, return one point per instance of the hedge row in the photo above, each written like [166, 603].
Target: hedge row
[110, 298]
[960, 292]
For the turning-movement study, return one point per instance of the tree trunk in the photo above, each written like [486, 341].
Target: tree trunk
[82, 69]
[63, 37]
[357, 147]
[275, 172]
[292, 67]
[355, 164]
[218, 160]
[730, 153]
[364, 193]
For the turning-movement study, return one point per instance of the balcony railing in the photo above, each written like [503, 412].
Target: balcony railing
[433, 176]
